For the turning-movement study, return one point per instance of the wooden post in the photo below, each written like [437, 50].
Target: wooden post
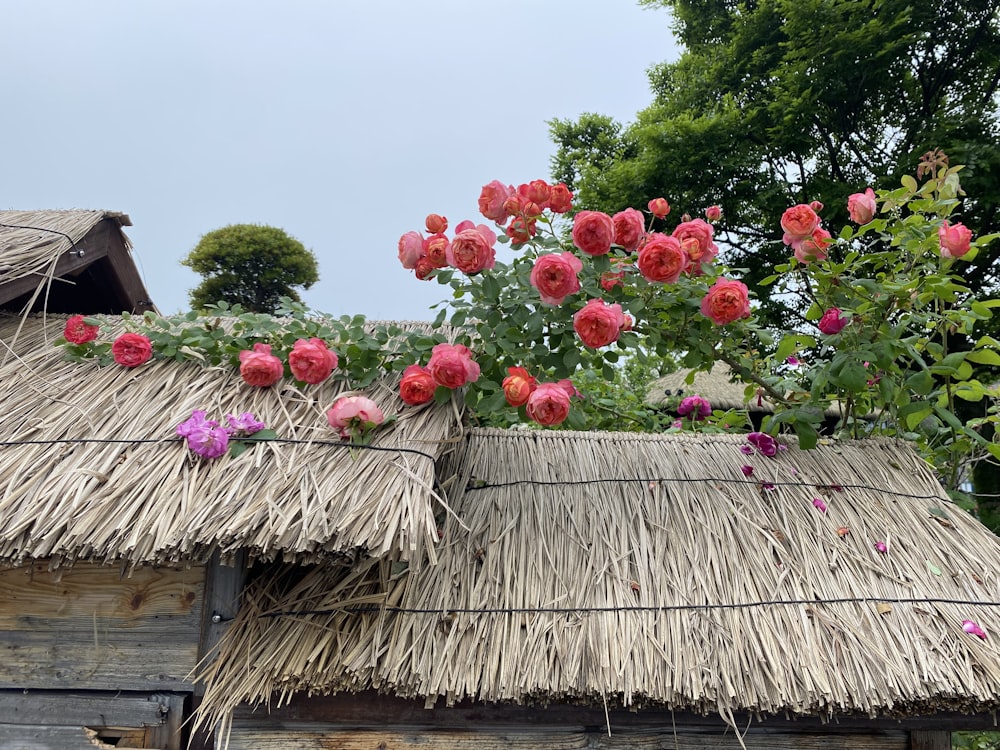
[936, 740]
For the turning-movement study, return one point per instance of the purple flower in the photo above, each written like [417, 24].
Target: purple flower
[819, 505]
[695, 406]
[747, 470]
[246, 422]
[204, 436]
[794, 361]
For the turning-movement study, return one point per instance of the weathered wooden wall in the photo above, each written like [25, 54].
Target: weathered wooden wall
[88, 627]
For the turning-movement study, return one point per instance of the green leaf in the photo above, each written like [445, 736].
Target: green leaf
[984, 357]
[921, 382]
[237, 448]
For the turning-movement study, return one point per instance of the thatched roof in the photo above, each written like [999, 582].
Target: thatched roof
[648, 569]
[91, 466]
[717, 385]
[68, 261]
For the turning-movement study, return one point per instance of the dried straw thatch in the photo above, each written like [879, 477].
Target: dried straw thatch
[32, 241]
[646, 569]
[91, 467]
[717, 385]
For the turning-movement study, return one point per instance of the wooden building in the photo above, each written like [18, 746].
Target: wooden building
[459, 587]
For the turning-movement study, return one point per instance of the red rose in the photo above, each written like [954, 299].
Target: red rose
[662, 259]
[518, 385]
[424, 268]
[554, 275]
[560, 199]
[435, 223]
[259, 367]
[311, 361]
[629, 227]
[131, 349]
[598, 323]
[726, 301]
[520, 229]
[436, 250]
[417, 386]
[78, 332]
[593, 232]
[471, 251]
[832, 322]
[537, 191]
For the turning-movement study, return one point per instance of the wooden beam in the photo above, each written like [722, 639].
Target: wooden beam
[930, 740]
[44, 737]
[223, 588]
[62, 708]
[125, 280]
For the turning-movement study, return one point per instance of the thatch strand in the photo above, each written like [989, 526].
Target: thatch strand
[156, 501]
[567, 557]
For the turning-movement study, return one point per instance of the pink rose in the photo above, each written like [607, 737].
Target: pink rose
[813, 248]
[560, 199]
[436, 250]
[726, 301]
[862, 206]
[411, 249]
[259, 367]
[417, 386]
[311, 361]
[537, 192]
[548, 404]
[661, 258]
[659, 207]
[491, 201]
[954, 240]
[629, 226]
[713, 213]
[598, 323]
[593, 232]
[452, 366]
[77, 332]
[695, 237]
[436, 224]
[798, 223]
[696, 407]
[131, 349]
[518, 385]
[554, 275]
[471, 251]
[832, 322]
[354, 415]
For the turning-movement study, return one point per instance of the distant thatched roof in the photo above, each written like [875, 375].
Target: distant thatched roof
[717, 385]
[91, 467]
[68, 260]
[647, 569]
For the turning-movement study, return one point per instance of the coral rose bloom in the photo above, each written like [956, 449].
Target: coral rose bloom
[131, 349]
[862, 206]
[436, 223]
[554, 275]
[593, 232]
[662, 259]
[492, 198]
[695, 237]
[659, 207]
[629, 227]
[311, 361]
[813, 248]
[954, 240]
[598, 323]
[726, 301]
[417, 386]
[471, 251]
[560, 199]
[452, 366]
[518, 385]
[259, 367]
[798, 223]
[77, 332]
[548, 404]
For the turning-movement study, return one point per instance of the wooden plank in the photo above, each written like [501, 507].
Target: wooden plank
[58, 708]
[23, 737]
[124, 277]
[223, 588]
[89, 628]
[168, 735]
[939, 740]
[370, 708]
[328, 736]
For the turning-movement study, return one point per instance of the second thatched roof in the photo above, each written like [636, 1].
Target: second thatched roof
[650, 569]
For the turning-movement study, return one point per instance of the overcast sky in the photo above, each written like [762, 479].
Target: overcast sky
[343, 123]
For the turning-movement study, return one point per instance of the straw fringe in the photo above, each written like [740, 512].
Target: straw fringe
[157, 502]
[712, 540]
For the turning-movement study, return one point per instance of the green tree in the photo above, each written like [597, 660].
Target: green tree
[251, 265]
[778, 102]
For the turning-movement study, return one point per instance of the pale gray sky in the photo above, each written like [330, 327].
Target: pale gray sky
[343, 123]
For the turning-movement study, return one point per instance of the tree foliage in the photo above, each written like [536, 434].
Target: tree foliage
[251, 265]
[779, 102]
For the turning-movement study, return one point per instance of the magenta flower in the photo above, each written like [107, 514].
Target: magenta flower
[819, 505]
[694, 406]
[769, 486]
[746, 450]
[764, 443]
[204, 436]
[972, 628]
[881, 547]
[747, 470]
[246, 423]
